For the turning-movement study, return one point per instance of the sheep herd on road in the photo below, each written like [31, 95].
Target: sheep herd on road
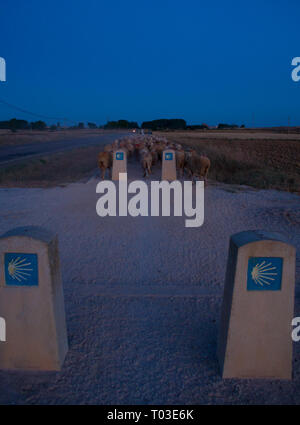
[149, 150]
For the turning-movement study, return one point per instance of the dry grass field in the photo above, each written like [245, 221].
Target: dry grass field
[52, 170]
[259, 159]
[264, 160]
[8, 138]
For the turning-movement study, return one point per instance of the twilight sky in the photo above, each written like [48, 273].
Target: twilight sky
[204, 61]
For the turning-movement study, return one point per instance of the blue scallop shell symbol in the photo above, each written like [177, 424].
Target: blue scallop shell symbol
[264, 274]
[21, 269]
[169, 156]
[119, 156]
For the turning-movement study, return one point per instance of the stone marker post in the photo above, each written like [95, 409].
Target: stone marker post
[31, 301]
[168, 165]
[119, 163]
[258, 307]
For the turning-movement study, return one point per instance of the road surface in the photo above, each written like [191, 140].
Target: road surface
[10, 155]
[143, 297]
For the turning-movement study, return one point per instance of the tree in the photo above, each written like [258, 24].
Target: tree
[91, 125]
[81, 125]
[197, 127]
[14, 124]
[164, 124]
[121, 124]
[227, 126]
[38, 125]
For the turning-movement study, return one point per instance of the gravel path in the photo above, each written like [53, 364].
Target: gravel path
[143, 298]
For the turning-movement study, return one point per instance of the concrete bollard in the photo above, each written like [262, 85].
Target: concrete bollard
[119, 163]
[31, 301]
[258, 306]
[168, 165]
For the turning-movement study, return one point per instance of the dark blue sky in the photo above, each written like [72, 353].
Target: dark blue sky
[204, 61]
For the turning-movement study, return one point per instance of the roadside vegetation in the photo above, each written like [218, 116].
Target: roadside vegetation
[23, 137]
[52, 170]
[261, 163]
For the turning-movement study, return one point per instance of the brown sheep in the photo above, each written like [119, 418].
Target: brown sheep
[180, 161]
[108, 148]
[197, 165]
[159, 149]
[130, 148]
[154, 156]
[105, 162]
[146, 161]
[115, 144]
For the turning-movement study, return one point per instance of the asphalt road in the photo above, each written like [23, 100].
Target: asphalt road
[10, 155]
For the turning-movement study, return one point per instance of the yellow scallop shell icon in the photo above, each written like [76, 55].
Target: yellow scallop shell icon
[18, 269]
[264, 273]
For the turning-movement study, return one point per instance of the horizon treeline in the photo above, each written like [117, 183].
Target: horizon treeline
[15, 124]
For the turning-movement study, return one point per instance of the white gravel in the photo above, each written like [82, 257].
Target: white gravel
[143, 298]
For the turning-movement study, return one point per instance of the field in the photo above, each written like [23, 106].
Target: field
[259, 159]
[44, 158]
[8, 138]
[264, 160]
[52, 170]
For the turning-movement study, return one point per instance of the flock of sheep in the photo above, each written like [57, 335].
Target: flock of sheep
[149, 150]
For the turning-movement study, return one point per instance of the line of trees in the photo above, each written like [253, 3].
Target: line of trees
[123, 124]
[229, 126]
[15, 124]
[197, 127]
[154, 125]
[164, 124]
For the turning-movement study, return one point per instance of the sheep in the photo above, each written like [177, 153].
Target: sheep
[146, 161]
[159, 149]
[148, 150]
[141, 149]
[115, 144]
[180, 161]
[105, 162]
[154, 155]
[130, 148]
[197, 165]
[108, 148]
